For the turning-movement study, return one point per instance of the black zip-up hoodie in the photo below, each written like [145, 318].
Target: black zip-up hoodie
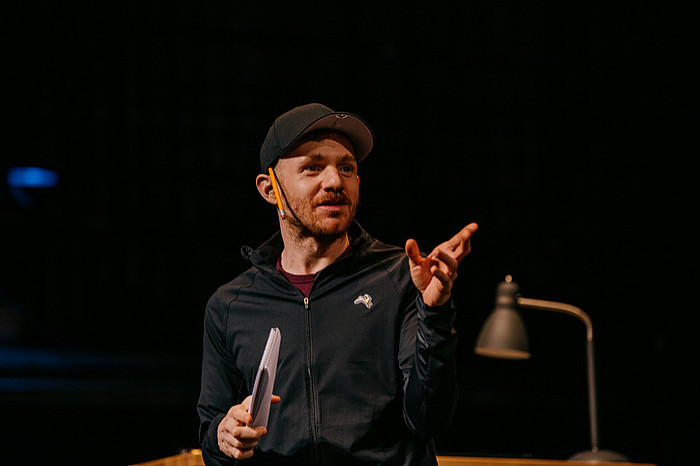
[366, 370]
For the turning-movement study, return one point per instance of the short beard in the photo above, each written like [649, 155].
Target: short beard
[322, 235]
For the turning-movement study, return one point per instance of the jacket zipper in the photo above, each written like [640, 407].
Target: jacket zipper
[312, 389]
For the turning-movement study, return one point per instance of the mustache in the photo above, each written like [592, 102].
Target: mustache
[333, 198]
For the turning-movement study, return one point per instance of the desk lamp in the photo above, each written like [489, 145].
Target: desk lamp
[503, 336]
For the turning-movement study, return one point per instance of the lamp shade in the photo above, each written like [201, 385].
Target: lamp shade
[503, 335]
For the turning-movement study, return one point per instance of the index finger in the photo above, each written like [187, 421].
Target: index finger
[460, 243]
[240, 412]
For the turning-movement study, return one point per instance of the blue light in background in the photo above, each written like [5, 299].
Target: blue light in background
[31, 177]
[19, 178]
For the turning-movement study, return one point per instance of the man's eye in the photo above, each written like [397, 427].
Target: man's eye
[311, 168]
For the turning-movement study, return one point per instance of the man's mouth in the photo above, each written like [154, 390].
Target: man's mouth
[337, 200]
[332, 203]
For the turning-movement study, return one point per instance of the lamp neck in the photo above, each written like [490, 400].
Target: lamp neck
[559, 307]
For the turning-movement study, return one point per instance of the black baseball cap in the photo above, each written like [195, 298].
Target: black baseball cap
[291, 126]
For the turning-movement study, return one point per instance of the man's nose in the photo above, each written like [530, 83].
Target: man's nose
[332, 179]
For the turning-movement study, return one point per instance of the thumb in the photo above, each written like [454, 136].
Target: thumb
[413, 252]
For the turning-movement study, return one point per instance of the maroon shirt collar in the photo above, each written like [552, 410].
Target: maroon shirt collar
[305, 282]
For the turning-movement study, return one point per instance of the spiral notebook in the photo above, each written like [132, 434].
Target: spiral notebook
[264, 380]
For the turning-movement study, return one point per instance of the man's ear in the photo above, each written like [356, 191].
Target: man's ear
[264, 185]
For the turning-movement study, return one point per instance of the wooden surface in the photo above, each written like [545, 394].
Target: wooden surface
[473, 461]
[194, 458]
[191, 458]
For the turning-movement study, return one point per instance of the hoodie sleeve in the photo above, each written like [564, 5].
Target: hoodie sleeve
[427, 359]
[220, 376]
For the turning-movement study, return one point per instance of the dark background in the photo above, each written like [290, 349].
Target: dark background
[557, 126]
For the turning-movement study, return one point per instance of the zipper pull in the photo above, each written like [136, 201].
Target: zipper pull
[306, 302]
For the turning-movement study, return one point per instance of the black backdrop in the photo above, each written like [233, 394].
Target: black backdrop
[554, 126]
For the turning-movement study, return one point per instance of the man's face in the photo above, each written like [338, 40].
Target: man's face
[321, 186]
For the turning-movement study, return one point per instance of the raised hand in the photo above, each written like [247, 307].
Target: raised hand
[435, 274]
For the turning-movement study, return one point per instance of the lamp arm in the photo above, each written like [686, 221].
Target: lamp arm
[559, 307]
[578, 313]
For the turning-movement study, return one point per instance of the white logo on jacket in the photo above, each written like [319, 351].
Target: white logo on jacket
[364, 299]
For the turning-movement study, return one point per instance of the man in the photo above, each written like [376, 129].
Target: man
[366, 370]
